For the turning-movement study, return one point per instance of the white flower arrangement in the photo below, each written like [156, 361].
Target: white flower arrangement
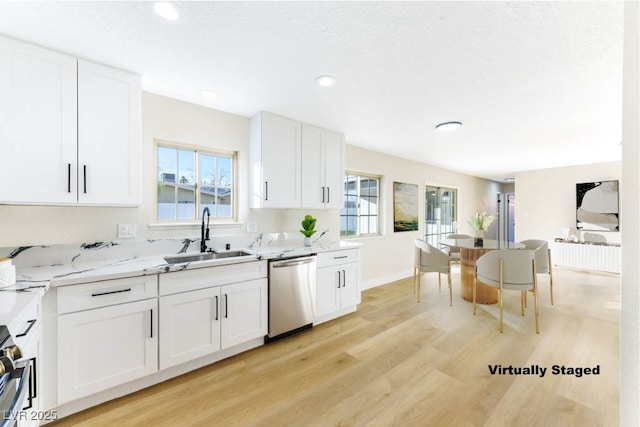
[481, 221]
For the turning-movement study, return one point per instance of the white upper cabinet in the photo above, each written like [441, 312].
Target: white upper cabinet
[69, 129]
[108, 135]
[322, 171]
[274, 161]
[38, 124]
[294, 165]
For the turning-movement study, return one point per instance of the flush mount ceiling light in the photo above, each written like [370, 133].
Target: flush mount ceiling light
[509, 179]
[166, 9]
[326, 80]
[447, 126]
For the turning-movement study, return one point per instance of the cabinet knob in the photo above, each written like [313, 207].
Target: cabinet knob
[6, 365]
[13, 352]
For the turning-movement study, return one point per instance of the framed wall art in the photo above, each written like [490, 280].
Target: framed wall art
[405, 207]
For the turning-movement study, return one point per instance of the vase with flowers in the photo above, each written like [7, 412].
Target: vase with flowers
[480, 222]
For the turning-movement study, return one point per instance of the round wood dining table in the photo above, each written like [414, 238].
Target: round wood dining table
[470, 251]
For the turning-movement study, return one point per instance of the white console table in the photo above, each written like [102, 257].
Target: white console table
[586, 256]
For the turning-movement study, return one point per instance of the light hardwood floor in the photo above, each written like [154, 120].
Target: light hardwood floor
[396, 362]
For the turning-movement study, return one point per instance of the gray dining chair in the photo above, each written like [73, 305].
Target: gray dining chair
[543, 260]
[428, 258]
[454, 253]
[508, 269]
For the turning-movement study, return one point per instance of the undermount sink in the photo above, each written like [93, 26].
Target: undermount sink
[177, 259]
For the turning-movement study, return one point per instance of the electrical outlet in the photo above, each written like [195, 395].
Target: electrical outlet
[126, 231]
[252, 227]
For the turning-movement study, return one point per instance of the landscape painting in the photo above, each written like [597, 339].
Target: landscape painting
[405, 207]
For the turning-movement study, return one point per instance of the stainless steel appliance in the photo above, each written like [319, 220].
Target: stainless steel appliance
[292, 295]
[15, 379]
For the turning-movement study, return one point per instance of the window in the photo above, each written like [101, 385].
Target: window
[191, 179]
[441, 213]
[360, 214]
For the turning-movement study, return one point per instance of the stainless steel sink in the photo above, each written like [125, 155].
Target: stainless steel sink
[177, 259]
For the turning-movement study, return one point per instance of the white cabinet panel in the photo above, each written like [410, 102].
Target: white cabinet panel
[38, 124]
[322, 170]
[274, 162]
[69, 129]
[108, 135]
[245, 312]
[190, 326]
[88, 359]
[338, 285]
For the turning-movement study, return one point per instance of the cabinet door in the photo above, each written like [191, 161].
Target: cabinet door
[190, 326]
[106, 347]
[350, 290]
[328, 291]
[38, 124]
[313, 185]
[333, 170]
[244, 312]
[108, 135]
[280, 162]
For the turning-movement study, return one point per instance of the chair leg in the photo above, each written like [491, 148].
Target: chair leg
[450, 290]
[550, 277]
[414, 280]
[439, 283]
[500, 295]
[522, 297]
[418, 290]
[535, 304]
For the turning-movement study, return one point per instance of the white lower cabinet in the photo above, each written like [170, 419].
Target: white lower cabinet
[105, 346]
[338, 284]
[201, 322]
[206, 310]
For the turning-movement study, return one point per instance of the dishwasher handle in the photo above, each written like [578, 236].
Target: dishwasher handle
[281, 264]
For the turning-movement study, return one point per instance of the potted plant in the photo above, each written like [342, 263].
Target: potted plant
[308, 229]
[480, 222]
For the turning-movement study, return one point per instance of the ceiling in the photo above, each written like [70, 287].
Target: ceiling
[536, 84]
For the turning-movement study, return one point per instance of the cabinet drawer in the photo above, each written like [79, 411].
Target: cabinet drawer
[108, 292]
[327, 259]
[190, 280]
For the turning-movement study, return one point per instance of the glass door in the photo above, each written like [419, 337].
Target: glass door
[441, 213]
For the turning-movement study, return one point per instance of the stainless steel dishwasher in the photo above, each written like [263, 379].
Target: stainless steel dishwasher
[292, 295]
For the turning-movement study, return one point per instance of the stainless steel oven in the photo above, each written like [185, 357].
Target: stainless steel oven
[16, 383]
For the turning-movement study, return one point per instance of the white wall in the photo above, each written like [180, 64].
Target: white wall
[546, 199]
[630, 219]
[389, 257]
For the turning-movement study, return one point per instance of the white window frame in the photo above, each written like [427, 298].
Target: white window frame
[233, 155]
[378, 215]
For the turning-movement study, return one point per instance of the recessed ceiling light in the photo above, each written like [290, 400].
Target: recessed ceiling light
[207, 93]
[447, 126]
[326, 80]
[166, 9]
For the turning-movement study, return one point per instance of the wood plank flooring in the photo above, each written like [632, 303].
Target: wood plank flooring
[398, 363]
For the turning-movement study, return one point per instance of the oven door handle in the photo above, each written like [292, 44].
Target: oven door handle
[21, 372]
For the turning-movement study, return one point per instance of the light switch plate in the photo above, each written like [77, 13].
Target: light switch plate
[126, 231]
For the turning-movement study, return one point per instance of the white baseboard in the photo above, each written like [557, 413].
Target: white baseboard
[378, 281]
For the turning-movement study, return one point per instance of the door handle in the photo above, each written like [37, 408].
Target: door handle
[226, 306]
[344, 279]
[151, 323]
[68, 177]
[84, 173]
[328, 194]
[216, 303]
[266, 190]
[322, 194]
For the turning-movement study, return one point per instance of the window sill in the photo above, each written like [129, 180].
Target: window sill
[192, 225]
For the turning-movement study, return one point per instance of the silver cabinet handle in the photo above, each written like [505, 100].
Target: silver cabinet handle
[226, 306]
[216, 303]
[151, 323]
[344, 279]
[323, 194]
[328, 194]
[291, 263]
[68, 177]
[266, 190]
[338, 279]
